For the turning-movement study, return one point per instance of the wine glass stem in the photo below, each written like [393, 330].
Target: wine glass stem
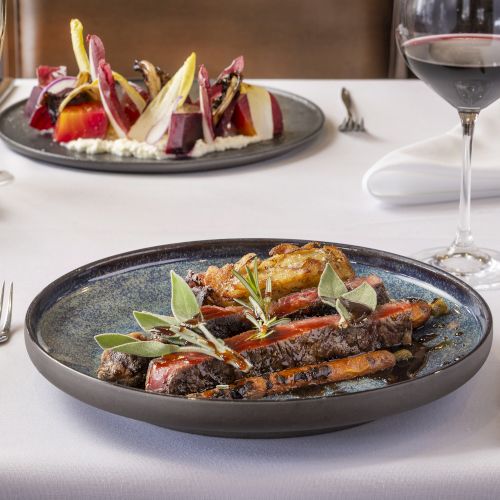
[463, 238]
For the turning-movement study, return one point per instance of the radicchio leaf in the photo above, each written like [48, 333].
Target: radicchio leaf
[109, 97]
[205, 105]
[96, 53]
[236, 66]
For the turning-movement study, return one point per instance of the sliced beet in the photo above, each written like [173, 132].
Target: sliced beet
[41, 118]
[277, 116]
[185, 130]
[242, 117]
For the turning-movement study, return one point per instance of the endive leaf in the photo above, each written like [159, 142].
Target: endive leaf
[82, 59]
[136, 98]
[155, 120]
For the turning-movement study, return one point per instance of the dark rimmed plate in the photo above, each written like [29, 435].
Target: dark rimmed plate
[99, 297]
[303, 121]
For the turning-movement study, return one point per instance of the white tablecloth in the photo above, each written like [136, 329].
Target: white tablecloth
[54, 219]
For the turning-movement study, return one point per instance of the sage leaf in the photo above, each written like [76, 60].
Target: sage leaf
[148, 321]
[184, 304]
[342, 310]
[363, 294]
[330, 286]
[147, 349]
[110, 340]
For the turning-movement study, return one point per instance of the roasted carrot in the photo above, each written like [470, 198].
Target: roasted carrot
[420, 312]
[294, 378]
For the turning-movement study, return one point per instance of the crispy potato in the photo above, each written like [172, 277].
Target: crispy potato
[291, 268]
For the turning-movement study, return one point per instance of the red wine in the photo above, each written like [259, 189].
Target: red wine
[464, 69]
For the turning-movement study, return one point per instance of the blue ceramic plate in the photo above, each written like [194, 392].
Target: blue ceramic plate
[303, 122]
[99, 297]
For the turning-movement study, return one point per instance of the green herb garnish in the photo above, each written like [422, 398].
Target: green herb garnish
[332, 291]
[258, 305]
[184, 332]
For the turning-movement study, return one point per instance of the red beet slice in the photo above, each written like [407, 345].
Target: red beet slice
[185, 130]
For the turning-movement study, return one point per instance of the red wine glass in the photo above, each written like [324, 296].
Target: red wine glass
[454, 47]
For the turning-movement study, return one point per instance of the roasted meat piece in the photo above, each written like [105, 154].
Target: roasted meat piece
[127, 369]
[306, 303]
[224, 322]
[291, 268]
[295, 344]
[123, 369]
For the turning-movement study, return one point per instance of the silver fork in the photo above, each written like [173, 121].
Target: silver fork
[350, 124]
[5, 329]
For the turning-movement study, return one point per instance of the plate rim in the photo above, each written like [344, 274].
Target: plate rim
[148, 166]
[30, 333]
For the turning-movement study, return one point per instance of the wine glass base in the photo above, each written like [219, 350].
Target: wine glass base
[480, 268]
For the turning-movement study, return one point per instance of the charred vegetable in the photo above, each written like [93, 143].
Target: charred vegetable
[154, 77]
[224, 94]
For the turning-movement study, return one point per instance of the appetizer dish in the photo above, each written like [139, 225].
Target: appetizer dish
[99, 111]
[265, 327]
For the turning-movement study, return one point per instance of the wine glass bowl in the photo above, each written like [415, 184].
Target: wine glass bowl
[454, 47]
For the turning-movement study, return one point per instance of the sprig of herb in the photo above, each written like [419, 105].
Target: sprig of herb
[258, 306]
[184, 332]
[332, 291]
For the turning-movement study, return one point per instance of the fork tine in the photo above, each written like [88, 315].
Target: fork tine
[8, 318]
[1, 298]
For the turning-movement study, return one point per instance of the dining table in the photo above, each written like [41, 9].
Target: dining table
[55, 219]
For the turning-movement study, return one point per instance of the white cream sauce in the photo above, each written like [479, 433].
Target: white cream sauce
[143, 150]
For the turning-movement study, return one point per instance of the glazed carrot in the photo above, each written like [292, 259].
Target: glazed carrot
[294, 378]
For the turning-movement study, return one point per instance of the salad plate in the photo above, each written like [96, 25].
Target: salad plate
[63, 319]
[303, 121]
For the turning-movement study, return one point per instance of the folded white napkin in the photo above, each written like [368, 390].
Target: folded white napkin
[430, 171]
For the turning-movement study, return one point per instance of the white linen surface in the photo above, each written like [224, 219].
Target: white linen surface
[53, 220]
[430, 170]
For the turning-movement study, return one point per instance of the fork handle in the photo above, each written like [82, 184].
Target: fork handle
[346, 99]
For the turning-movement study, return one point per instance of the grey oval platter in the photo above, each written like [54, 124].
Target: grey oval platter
[303, 121]
[99, 297]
